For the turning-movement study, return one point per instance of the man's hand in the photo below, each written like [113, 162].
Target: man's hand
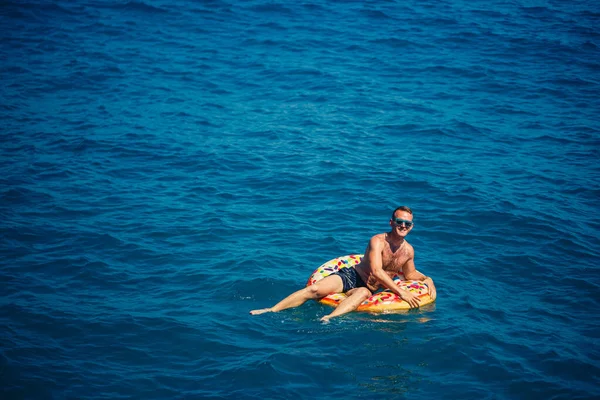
[431, 286]
[412, 300]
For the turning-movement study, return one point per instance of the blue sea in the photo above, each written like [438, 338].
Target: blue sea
[168, 166]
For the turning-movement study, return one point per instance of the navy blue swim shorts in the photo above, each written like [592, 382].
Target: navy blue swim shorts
[351, 278]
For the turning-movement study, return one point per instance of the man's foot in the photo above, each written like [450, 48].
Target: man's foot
[325, 319]
[261, 311]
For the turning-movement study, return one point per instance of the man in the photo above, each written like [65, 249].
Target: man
[386, 254]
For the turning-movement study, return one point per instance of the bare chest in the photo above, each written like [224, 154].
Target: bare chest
[394, 260]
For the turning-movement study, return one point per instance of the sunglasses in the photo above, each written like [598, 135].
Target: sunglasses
[406, 223]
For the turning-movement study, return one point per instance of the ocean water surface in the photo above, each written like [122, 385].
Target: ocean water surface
[167, 166]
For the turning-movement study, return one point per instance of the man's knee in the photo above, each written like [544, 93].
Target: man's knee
[313, 291]
[362, 292]
[318, 290]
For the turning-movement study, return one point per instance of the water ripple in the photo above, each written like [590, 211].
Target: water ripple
[166, 168]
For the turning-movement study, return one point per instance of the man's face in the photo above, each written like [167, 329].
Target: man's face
[402, 223]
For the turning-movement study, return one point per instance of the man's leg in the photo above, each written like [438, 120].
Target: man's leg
[350, 303]
[328, 285]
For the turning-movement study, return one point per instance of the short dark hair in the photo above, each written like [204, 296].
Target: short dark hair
[402, 208]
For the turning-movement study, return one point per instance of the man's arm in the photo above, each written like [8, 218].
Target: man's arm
[410, 272]
[375, 251]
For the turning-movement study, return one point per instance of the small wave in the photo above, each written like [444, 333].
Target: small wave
[572, 81]
[25, 196]
[537, 10]
[273, 25]
[135, 6]
[375, 14]
[589, 45]
[271, 8]
[397, 43]
[489, 13]
[38, 8]
[15, 69]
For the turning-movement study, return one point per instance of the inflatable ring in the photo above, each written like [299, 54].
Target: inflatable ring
[381, 301]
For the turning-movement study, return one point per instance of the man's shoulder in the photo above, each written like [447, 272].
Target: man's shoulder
[377, 240]
[379, 237]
